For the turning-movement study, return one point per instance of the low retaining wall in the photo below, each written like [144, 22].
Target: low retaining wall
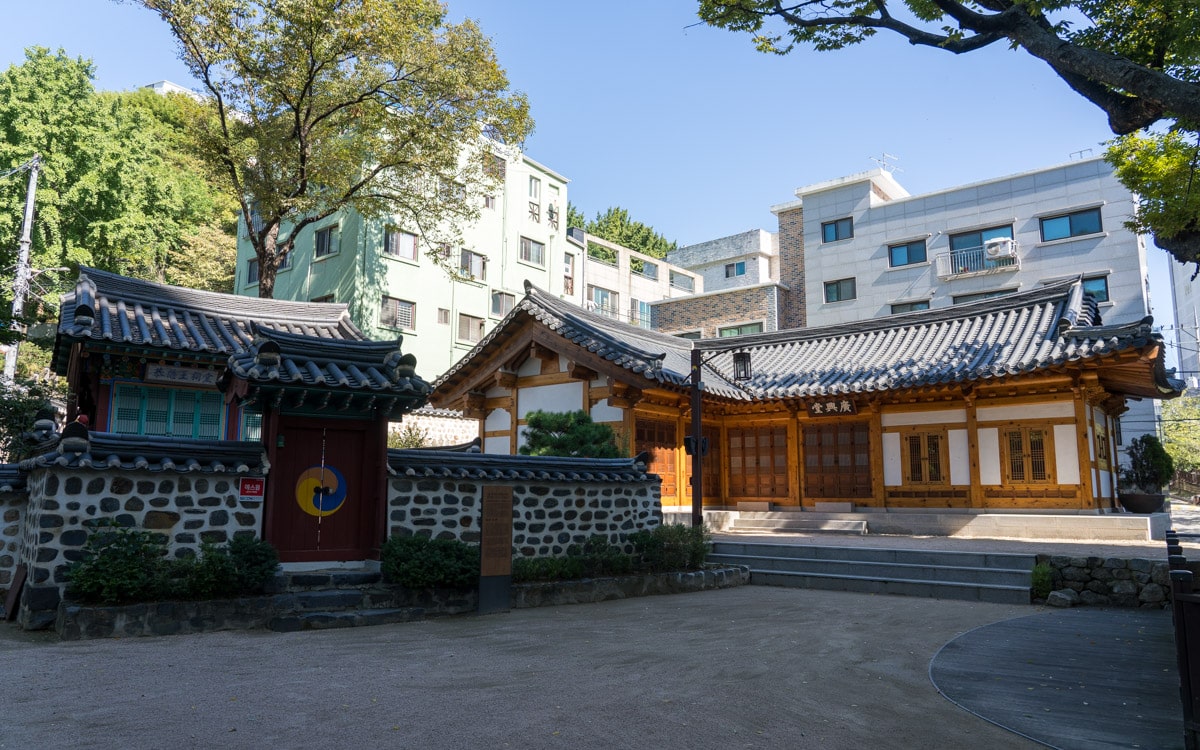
[1107, 581]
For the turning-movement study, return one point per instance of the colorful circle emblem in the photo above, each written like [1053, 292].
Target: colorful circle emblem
[320, 490]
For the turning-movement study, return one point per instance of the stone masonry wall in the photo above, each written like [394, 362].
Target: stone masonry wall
[708, 312]
[548, 517]
[442, 428]
[12, 511]
[184, 509]
[1108, 581]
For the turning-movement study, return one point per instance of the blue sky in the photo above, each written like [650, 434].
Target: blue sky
[689, 127]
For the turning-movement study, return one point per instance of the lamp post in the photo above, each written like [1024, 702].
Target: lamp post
[696, 446]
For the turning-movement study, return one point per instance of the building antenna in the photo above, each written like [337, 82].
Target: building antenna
[1080, 153]
[885, 163]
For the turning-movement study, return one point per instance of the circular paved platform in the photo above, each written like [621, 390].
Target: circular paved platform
[1083, 679]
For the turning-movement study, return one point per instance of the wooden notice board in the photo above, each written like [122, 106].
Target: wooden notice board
[495, 549]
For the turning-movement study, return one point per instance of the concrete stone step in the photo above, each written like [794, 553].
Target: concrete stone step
[1004, 560]
[883, 570]
[795, 525]
[288, 623]
[311, 580]
[868, 585]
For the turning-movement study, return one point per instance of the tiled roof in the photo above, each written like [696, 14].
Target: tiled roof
[442, 464]
[1047, 327]
[289, 359]
[105, 450]
[12, 479]
[113, 308]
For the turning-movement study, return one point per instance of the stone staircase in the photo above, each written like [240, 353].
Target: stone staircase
[976, 576]
[322, 599]
[795, 523]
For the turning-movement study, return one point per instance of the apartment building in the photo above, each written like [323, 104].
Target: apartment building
[624, 284]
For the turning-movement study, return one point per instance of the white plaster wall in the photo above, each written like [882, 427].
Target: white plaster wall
[1066, 454]
[498, 419]
[940, 416]
[1104, 488]
[555, 398]
[1048, 410]
[602, 412]
[496, 445]
[960, 457]
[531, 366]
[989, 455]
[892, 474]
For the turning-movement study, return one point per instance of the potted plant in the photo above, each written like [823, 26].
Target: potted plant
[1150, 467]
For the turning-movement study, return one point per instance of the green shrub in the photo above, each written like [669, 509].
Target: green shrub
[119, 566]
[122, 566]
[419, 562]
[600, 557]
[526, 569]
[671, 547]
[1043, 580]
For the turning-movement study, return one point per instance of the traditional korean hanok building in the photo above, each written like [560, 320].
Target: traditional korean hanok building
[298, 378]
[1009, 403]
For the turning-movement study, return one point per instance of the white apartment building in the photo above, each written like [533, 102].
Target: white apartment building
[624, 283]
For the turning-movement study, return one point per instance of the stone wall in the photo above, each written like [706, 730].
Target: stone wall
[711, 311]
[793, 310]
[441, 426]
[547, 517]
[12, 507]
[1108, 581]
[185, 510]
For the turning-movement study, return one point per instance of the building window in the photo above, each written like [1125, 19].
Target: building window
[251, 426]
[472, 265]
[494, 166]
[639, 313]
[968, 253]
[138, 410]
[758, 462]
[470, 328]
[285, 261]
[252, 271]
[398, 313]
[489, 202]
[255, 225]
[840, 290]
[569, 274]
[962, 299]
[502, 303]
[604, 301]
[842, 229]
[1027, 455]
[443, 316]
[533, 251]
[398, 244]
[905, 307]
[907, 253]
[741, 330]
[837, 460]
[326, 242]
[1097, 287]
[552, 216]
[535, 212]
[535, 189]
[925, 457]
[690, 335]
[1075, 224]
[324, 298]
[682, 281]
[735, 269]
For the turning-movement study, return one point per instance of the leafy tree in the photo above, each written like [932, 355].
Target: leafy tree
[118, 187]
[1181, 431]
[1137, 60]
[575, 217]
[568, 434]
[615, 225]
[320, 106]
[410, 435]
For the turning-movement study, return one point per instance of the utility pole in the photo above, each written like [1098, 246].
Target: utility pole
[24, 273]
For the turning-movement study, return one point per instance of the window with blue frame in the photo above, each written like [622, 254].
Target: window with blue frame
[139, 410]
[1075, 224]
[842, 229]
[1097, 287]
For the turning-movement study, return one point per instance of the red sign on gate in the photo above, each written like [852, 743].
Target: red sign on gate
[251, 488]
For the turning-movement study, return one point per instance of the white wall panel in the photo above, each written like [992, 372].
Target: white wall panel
[496, 446]
[960, 457]
[1048, 410]
[602, 412]
[939, 416]
[1066, 454]
[558, 397]
[498, 419]
[989, 456]
[892, 475]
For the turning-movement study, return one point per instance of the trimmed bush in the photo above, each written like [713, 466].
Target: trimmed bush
[526, 569]
[1042, 580]
[419, 562]
[600, 557]
[255, 562]
[671, 547]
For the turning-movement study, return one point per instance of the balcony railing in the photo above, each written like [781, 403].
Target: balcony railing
[974, 261]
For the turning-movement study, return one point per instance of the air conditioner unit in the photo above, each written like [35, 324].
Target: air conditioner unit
[1000, 247]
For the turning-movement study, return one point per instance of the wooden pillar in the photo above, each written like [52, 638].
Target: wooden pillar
[878, 490]
[1087, 467]
[793, 461]
[975, 493]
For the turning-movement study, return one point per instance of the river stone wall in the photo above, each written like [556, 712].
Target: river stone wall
[1108, 581]
[183, 510]
[548, 517]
